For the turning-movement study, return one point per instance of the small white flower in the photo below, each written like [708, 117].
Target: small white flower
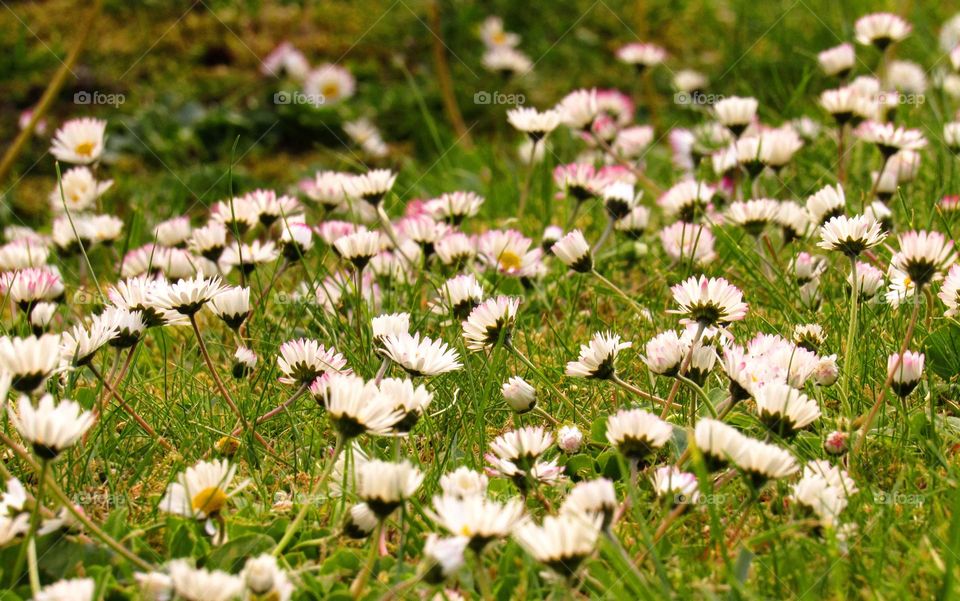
[420, 356]
[712, 301]
[79, 141]
[637, 434]
[199, 583]
[678, 486]
[850, 235]
[463, 482]
[383, 485]
[837, 61]
[30, 360]
[532, 122]
[597, 359]
[489, 321]
[562, 542]
[520, 396]
[569, 439]
[264, 579]
[906, 371]
[574, 252]
[77, 589]
[880, 29]
[202, 490]
[784, 410]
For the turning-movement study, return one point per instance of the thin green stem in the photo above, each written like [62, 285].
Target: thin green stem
[516, 352]
[34, 523]
[356, 589]
[851, 334]
[636, 306]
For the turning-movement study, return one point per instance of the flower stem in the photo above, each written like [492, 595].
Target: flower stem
[525, 192]
[701, 326]
[34, 523]
[636, 306]
[144, 425]
[634, 390]
[851, 333]
[305, 505]
[356, 589]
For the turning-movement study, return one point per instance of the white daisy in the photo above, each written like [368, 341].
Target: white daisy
[202, 490]
[50, 428]
[597, 359]
[79, 141]
[420, 356]
[637, 434]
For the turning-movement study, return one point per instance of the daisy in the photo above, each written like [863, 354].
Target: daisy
[906, 372]
[30, 360]
[454, 207]
[837, 61]
[784, 410]
[569, 439]
[847, 104]
[463, 482]
[809, 336]
[561, 543]
[326, 188]
[360, 522]
[880, 29]
[202, 490]
[826, 203]
[522, 447]
[173, 232]
[823, 490]
[200, 584]
[383, 485]
[637, 434]
[411, 400]
[455, 249]
[688, 80]
[50, 428]
[754, 215]
[296, 240]
[532, 122]
[593, 498]
[642, 55]
[355, 406]
[303, 360]
[232, 305]
[664, 353]
[950, 292]
[154, 586]
[186, 296]
[366, 135]
[579, 180]
[209, 241]
[493, 34]
[248, 256]
[686, 241]
[135, 294]
[850, 235]
[574, 252]
[634, 223]
[736, 113]
[633, 142]
[578, 109]
[459, 295]
[371, 186]
[687, 200]
[22, 254]
[717, 441]
[79, 141]
[420, 356]
[27, 287]
[778, 146]
[794, 221]
[761, 461]
[923, 255]
[678, 486]
[238, 214]
[329, 84]
[477, 518]
[244, 360]
[390, 324]
[264, 579]
[869, 280]
[76, 589]
[709, 302]
[597, 359]
[40, 317]
[127, 326]
[444, 556]
[489, 321]
[78, 189]
[506, 61]
[890, 138]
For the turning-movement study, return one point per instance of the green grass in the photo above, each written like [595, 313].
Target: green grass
[172, 144]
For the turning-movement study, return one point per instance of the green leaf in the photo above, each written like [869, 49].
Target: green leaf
[580, 467]
[598, 430]
[609, 464]
[943, 351]
[232, 555]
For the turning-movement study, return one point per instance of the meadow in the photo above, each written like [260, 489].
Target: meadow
[443, 299]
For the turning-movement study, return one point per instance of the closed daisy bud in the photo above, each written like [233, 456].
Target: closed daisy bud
[561, 543]
[360, 522]
[784, 410]
[30, 360]
[637, 434]
[264, 579]
[597, 359]
[664, 353]
[202, 490]
[520, 396]
[420, 356]
[50, 428]
[232, 305]
[708, 302]
[551, 234]
[835, 443]
[489, 322]
[569, 439]
[850, 235]
[678, 487]
[383, 485]
[906, 372]
[574, 252]
[444, 556]
[826, 372]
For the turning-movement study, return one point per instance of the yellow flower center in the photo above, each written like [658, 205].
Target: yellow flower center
[331, 90]
[209, 500]
[499, 37]
[465, 531]
[510, 261]
[84, 149]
